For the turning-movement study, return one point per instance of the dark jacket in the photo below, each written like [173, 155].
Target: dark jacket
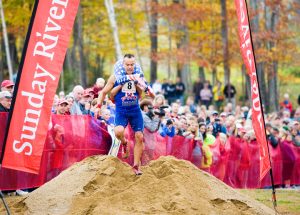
[3, 109]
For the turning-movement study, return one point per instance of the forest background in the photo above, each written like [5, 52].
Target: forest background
[171, 38]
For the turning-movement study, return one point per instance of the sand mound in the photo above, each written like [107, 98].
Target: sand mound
[105, 185]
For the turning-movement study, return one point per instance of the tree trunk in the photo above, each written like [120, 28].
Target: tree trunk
[259, 65]
[68, 61]
[273, 67]
[73, 55]
[248, 84]
[201, 73]
[183, 68]
[153, 39]
[100, 67]
[13, 51]
[113, 23]
[224, 31]
[262, 83]
[169, 43]
[213, 76]
[137, 48]
[5, 36]
[83, 75]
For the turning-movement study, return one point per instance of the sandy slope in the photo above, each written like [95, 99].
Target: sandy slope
[105, 185]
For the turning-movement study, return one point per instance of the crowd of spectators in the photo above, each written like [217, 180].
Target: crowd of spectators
[207, 113]
[209, 110]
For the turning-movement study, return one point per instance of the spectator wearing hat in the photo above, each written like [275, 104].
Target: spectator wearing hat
[223, 116]
[286, 103]
[211, 118]
[85, 102]
[62, 107]
[151, 120]
[7, 85]
[218, 127]
[5, 101]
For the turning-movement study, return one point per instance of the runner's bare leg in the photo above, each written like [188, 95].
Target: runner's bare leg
[119, 132]
[138, 148]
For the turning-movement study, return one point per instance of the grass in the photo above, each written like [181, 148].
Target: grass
[288, 201]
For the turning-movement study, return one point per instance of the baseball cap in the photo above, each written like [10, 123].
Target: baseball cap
[5, 94]
[215, 112]
[245, 108]
[86, 93]
[63, 101]
[242, 129]
[7, 83]
[223, 114]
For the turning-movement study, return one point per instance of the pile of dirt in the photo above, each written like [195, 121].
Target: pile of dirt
[105, 185]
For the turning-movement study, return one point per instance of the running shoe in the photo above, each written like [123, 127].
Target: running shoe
[137, 170]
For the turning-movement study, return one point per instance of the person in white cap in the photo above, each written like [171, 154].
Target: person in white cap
[5, 101]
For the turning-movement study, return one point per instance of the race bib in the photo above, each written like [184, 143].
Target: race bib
[129, 87]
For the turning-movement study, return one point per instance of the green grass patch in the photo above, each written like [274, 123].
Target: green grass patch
[288, 201]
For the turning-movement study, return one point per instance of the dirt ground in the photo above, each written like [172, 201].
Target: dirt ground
[105, 185]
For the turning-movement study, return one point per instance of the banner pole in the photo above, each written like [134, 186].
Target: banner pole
[262, 111]
[18, 77]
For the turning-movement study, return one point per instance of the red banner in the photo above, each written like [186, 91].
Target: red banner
[249, 60]
[38, 78]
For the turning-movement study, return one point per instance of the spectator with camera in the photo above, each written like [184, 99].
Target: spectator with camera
[151, 117]
[217, 124]
[218, 127]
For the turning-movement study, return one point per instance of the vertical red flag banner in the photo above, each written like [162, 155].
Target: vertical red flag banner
[249, 60]
[51, 26]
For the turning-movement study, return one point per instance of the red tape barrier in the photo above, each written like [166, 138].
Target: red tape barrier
[73, 138]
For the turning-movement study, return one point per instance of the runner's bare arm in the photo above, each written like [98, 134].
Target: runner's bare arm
[114, 91]
[108, 87]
